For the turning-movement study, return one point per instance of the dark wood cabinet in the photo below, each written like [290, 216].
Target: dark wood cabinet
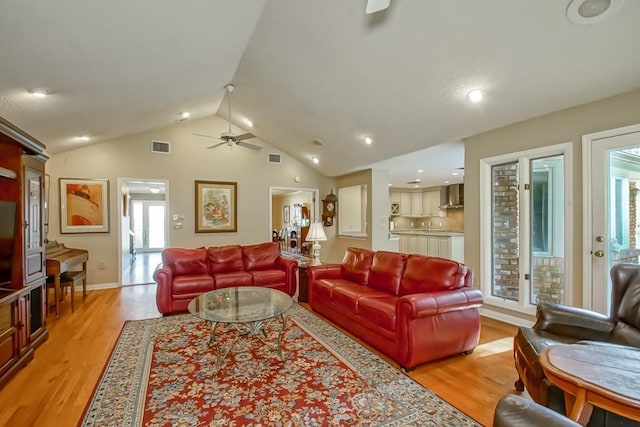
[23, 293]
[303, 282]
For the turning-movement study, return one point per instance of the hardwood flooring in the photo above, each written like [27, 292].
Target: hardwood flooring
[55, 387]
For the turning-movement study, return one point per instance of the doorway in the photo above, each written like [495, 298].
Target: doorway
[611, 201]
[144, 228]
[292, 210]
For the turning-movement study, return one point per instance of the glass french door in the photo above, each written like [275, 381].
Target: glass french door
[525, 219]
[614, 237]
[148, 223]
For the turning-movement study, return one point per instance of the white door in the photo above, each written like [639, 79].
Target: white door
[613, 236]
[148, 225]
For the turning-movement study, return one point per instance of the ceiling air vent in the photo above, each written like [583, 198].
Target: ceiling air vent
[274, 158]
[160, 147]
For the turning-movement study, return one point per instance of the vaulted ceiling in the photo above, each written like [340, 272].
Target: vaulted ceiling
[315, 77]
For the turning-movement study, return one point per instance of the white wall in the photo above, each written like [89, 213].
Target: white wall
[189, 160]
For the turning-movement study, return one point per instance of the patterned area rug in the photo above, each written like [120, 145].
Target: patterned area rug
[163, 373]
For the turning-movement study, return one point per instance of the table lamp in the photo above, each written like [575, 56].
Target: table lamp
[315, 235]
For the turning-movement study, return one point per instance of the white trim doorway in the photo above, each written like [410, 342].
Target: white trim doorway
[125, 186]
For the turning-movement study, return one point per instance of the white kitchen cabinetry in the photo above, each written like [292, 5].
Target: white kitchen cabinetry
[450, 247]
[416, 204]
[394, 196]
[431, 204]
[405, 203]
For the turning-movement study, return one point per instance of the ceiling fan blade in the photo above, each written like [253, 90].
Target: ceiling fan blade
[217, 145]
[244, 136]
[247, 145]
[206, 136]
[374, 6]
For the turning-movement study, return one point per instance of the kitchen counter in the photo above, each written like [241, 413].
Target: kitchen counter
[429, 233]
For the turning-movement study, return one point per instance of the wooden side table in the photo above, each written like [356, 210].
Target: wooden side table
[606, 376]
[303, 282]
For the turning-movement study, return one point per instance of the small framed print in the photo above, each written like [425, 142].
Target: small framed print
[216, 207]
[285, 214]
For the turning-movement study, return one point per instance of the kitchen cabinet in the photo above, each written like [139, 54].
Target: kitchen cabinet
[450, 247]
[414, 247]
[431, 204]
[405, 203]
[416, 204]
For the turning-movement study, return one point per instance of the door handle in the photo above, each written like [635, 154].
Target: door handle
[598, 254]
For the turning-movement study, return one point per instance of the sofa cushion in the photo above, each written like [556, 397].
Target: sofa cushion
[386, 271]
[260, 257]
[269, 277]
[356, 264]
[379, 310]
[185, 261]
[323, 288]
[430, 274]
[347, 294]
[234, 278]
[224, 259]
[192, 284]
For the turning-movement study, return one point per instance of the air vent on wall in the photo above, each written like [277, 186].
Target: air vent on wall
[160, 147]
[274, 158]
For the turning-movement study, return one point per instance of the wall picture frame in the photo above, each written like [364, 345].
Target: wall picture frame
[286, 215]
[216, 207]
[84, 205]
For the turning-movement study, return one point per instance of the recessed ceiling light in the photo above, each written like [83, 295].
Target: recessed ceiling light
[592, 11]
[248, 122]
[416, 186]
[185, 114]
[446, 182]
[83, 138]
[154, 190]
[475, 95]
[390, 184]
[418, 180]
[38, 92]
[315, 160]
[368, 140]
[420, 170]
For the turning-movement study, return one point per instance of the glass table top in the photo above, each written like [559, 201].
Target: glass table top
[241, 304]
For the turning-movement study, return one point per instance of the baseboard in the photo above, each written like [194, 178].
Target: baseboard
[512, 320]
[98, 286]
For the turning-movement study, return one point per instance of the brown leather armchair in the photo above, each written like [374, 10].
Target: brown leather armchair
[517, 411]
[558, 324]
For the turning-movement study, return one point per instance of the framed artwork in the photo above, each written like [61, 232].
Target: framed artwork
[216, 207]
[84, 205]
[285, 214]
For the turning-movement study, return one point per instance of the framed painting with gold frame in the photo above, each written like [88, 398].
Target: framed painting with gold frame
[216, 207]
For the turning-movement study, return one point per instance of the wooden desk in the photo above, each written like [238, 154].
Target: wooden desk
[606, 376]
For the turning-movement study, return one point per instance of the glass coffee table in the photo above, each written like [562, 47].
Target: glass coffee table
[249, 310]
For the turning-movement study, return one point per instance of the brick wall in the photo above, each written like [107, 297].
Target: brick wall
[547, 279]
[505, 230]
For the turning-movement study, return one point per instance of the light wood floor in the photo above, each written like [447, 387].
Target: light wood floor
[55, 387]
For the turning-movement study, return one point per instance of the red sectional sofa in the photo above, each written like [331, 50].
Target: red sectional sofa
[413, 308]
[186, 273]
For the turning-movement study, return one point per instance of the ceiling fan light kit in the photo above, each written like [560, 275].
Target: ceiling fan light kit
[374, 6]
[592, 11]
[229, 138]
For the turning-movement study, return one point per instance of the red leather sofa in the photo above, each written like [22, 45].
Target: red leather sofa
[413, 308]
[186, 273]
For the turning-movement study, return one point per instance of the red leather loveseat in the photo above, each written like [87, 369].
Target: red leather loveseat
[186, 273]
[413, 308]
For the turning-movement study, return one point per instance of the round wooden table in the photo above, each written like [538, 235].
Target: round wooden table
[607, 376]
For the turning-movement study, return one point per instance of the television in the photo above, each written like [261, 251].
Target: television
[7, 238]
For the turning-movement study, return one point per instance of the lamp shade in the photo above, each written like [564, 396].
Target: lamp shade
[316, 232]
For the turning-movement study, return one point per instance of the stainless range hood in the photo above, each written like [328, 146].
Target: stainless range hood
[452, 196]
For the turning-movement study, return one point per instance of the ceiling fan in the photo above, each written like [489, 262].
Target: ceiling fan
[374, 6]
[229, 138]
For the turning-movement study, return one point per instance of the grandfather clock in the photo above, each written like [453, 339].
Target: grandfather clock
[329, 209]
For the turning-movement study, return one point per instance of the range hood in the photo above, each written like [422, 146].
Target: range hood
[452, 196]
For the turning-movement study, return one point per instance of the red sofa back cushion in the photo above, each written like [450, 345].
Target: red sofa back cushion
[185, 261]
[356, 265]
[225, 259]
[386, 271]
[261, 256]
[431, 274]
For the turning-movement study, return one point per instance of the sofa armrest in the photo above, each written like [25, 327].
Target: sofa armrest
[289, 266]
[573, 322]
[324, 271]
[432, 303]
[163, 277]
